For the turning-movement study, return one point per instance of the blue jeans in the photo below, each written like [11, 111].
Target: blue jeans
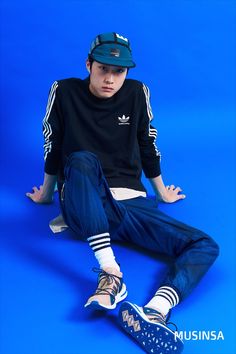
[89, 209]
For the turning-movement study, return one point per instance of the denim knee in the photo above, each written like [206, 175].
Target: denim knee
[208, 247]
[81, 157]
[83, 161]
[214, 248]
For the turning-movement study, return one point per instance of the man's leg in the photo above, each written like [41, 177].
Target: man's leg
[193, 253]
[84, 197]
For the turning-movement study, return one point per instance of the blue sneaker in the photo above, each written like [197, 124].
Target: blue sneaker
[148, 327]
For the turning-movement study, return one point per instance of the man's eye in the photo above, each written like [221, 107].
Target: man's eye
[104, 68]
[120, 71]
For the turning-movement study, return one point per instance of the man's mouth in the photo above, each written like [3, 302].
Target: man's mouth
[108, 89]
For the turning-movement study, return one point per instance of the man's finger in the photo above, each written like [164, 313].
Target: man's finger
[35, 189]
[172, 187]
[29, 195]
[181, 196]
[178, 189]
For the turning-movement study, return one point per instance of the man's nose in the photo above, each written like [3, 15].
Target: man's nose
[109, 78]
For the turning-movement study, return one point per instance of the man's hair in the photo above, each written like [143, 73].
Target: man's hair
[91, 60]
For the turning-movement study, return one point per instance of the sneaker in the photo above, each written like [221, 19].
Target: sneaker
[111, 290]
[149, 328]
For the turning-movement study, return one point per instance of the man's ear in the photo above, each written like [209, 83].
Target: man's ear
[88, 65]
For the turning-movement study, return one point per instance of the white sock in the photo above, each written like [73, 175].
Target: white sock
[160, 304]
[165, 298]
[101, 246]
[106, 258]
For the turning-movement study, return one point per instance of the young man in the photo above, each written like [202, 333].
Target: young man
[98, 139]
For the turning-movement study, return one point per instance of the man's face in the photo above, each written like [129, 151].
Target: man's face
[105, 80]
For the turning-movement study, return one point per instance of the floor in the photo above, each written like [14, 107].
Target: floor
[45, 279]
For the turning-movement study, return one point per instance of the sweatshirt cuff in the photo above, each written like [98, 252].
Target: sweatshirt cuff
[50, 169]
[152, 170]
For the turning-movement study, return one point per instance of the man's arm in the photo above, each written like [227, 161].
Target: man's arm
[150, 155]
[44, 194]
[147, 135]
[53, 133]
[167, 194]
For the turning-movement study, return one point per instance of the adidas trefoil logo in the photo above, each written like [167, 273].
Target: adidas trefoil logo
[123, 120]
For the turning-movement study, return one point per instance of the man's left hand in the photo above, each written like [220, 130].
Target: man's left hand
[172, 194]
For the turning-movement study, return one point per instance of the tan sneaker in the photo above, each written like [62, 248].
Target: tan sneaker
[111, 290]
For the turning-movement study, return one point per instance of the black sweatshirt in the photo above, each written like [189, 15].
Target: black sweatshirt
[116, 129]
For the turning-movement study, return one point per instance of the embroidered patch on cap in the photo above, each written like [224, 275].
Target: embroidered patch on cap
[114, 52]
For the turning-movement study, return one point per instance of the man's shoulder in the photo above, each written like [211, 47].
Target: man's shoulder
[69, 86]
[135, 84]
[70, 82]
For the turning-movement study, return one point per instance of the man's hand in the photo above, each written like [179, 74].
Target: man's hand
[44, 194]
[167, 194]
[171, 194]
[39, 197]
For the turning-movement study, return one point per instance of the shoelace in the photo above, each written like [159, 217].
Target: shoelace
[157, 317]
[108, 279]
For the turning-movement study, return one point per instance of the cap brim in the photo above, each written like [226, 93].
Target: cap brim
[114, 61]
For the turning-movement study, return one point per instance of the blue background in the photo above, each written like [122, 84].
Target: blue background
[185, 53]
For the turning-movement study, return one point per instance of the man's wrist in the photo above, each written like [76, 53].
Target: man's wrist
[161, 193]
[47, 196]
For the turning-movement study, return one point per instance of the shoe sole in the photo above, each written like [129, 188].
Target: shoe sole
[154, 338]
[96, 305]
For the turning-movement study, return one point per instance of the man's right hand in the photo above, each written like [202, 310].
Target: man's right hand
[37, 196]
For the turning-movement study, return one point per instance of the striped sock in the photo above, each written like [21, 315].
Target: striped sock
[164, 299]
[101, 245]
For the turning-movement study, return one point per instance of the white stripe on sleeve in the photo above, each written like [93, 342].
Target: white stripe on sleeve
[152, 131]
[47, 129]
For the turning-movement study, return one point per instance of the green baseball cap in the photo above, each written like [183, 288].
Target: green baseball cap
[112, 49]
